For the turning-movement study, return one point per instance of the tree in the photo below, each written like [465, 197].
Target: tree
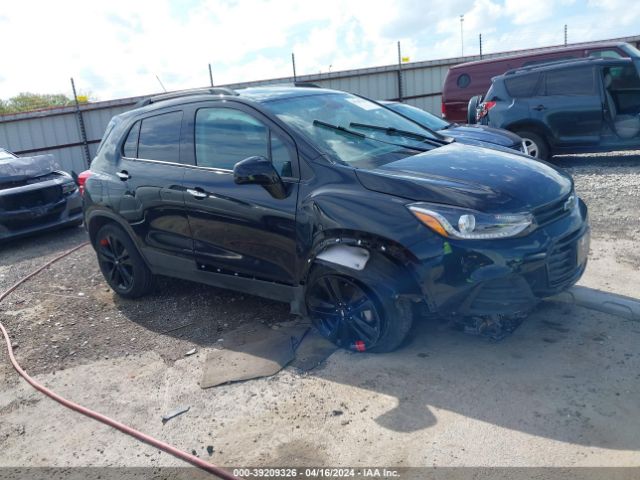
[27, 101]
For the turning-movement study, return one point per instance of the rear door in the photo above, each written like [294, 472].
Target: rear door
[152, 172]
[240, 229]
[570, 105]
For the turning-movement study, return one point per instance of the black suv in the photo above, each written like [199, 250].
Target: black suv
[333, 203]
[585, 105]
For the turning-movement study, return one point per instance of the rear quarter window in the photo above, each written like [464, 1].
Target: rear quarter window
[522, 86]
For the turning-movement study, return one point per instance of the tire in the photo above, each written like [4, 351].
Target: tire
[536, 143]
[122, 266]
[471, 109]
[356, 310]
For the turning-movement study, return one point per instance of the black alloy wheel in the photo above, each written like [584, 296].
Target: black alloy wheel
[116, 262]
[122, 266]
[345, 312]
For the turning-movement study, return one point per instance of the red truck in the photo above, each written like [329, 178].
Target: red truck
[474, 78]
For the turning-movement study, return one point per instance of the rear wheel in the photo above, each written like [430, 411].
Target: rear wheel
[121, 264]
[535, 145]
[355, 310]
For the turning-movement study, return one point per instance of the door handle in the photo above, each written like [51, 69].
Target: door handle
[123, 175]
[540, 108]
[197, 193]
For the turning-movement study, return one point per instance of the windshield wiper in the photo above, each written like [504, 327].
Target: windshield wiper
[346, 131]
[401, 133]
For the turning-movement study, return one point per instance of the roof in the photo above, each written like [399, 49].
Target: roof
[561, 64]
[542, 51]
[248, 95]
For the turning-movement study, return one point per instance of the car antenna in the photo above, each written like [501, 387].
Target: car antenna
[161, 84]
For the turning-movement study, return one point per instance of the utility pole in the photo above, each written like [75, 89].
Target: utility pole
[565, 34]
[83, 130]
[461, 36]
[399, 73]
[293, 63]
[210, 76]
[480, 46]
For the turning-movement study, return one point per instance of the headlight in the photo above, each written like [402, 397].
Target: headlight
[466, 224]
[69, 188]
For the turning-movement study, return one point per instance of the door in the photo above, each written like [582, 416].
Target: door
[570, 105]
[241, 229]
[153, 202]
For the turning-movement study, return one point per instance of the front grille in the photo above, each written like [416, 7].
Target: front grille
[552, 211]
[31, 198]
[562, 264]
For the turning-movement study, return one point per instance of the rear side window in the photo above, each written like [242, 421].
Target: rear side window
[574, 81]
[160, 137]
[522, 85]
[130, 148]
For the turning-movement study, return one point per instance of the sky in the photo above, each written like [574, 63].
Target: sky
[119, 48]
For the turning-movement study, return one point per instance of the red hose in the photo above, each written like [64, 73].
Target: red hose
[187, 457]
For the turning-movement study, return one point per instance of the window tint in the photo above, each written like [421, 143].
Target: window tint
[574, 81]
[160, 137]
[522, 85]
[225, 136]
[280, 156]
[463, 80]
[130, 148]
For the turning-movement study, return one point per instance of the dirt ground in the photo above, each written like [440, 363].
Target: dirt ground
[562, 390]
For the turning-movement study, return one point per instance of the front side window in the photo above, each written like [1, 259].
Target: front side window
[225, 136]
[160, 137]
[574, 81]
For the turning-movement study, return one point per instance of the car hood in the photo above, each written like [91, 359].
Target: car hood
[22, 168]
[483, 133]
[478, 178]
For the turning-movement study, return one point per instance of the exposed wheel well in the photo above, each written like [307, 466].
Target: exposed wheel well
[96, 224]
[398, 257]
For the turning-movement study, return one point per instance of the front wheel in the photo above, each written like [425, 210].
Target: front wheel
[122, 266]
[356, 310]
[535, 145]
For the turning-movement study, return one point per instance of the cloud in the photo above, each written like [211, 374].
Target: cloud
[115, 54]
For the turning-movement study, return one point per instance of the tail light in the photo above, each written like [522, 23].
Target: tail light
[483, 109]
[443, 110]
[82, 179]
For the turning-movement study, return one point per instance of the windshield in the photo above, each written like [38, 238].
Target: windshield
[420, 116]
[339, 124]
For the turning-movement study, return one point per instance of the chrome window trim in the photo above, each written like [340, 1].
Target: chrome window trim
[176, 164]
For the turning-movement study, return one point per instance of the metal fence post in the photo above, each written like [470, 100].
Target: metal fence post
[399, 73]
[83, 131]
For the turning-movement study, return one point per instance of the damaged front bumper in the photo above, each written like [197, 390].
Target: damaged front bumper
[507, 276]
[37, 207]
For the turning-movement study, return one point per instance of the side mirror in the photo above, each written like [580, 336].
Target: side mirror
[259, 171]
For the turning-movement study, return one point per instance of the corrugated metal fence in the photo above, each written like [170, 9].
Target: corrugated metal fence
[57, 130]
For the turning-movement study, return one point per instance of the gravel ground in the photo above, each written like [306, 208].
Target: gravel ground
[68, 320]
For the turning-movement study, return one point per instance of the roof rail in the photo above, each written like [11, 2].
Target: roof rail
[306, 85]
[186, 93]
[555, 62]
